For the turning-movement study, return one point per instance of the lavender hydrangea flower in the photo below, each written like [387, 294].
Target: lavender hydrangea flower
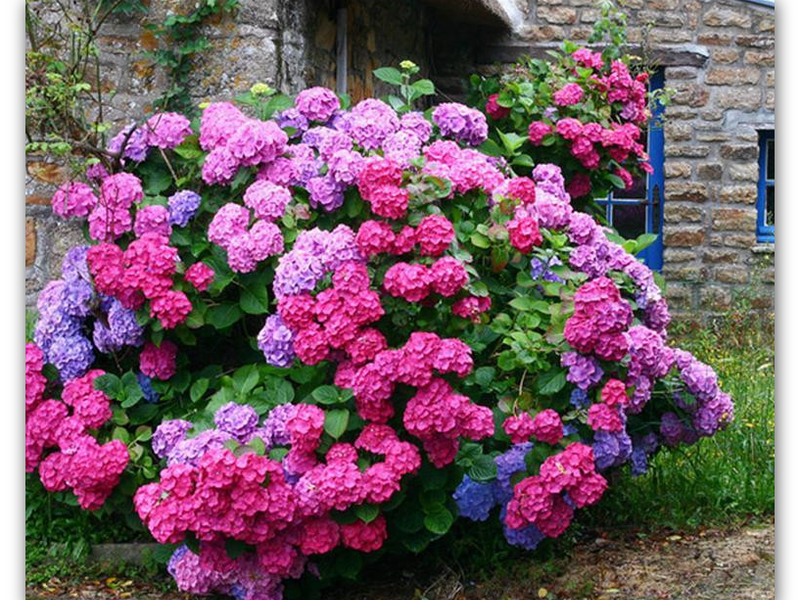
[275, 341]
[371, 121]
[326, 192]
[183, 207]
[275, 425]
[461, 123]
[72, 356]
[541, 269]
[584, 371]
[291, 117]
[239, 420]
[73, 266]
[168, 434]
[416, 123]
[297, 272]
[136, 146]
[474, 499]
[190, 451]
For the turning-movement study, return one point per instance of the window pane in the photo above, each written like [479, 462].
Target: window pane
[637, 191]
[771, 159]
[629, 219]
[769, 217]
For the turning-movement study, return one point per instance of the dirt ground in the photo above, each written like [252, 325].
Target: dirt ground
[733, 564]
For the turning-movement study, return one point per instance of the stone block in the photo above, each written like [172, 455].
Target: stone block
[734, 76]
[677, 131]
[671, 73]
[764, 58]
[715, 297]
[739, 151]
[723, 17]
[724, 55]
[734, 240]
[690, 191]
[719, 255]
[675, 170]
[738, 194]
[686, 151]
[744, 172]
[678, 255]
[556, 15]
[732, 274]
[681, 213]
[709, 171]
[690, 94]
[690, 273]
[684, 236]
[747, 99]
[733, 219]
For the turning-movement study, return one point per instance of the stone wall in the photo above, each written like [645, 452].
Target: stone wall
[719, 56]
[286, 44]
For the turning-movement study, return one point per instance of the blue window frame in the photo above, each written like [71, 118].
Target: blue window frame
[765, 204]
[640, 209]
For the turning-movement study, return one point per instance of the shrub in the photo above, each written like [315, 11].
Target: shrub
[340, 328]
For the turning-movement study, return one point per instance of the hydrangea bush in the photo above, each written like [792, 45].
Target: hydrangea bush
[328, 331]
[585, 110]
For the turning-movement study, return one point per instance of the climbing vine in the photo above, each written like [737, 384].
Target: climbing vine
[182, 39]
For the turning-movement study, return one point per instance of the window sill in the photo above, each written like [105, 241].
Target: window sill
[764, 248]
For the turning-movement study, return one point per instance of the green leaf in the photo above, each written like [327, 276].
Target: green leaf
[257, 444]
[254, 300]
[109, 384]
[616, 181]
[524, 303]
[491, 148]
[198, 388]
[389, 75]
[424, 87]
[483, 469]
[479, 240]
[277, 103]
[336, 422]
[121, 434]
[245, 379]
[189, 148]
[511, 141]
[551, 382]
[224, 315]
[142, 413]
[367, 512]
[484, 376]
[234, 548]
[439, 522]
[326, 394]
[523, 160]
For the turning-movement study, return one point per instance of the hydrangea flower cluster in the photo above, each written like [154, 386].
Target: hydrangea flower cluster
[219, 488]
[79, 462]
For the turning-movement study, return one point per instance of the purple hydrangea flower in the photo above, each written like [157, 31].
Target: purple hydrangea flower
[371, 121]
[168, 434]
[291, 117]
[239, 420]
[325, 191]
[275, 341]
[136, 146]
[275, 425]
[541, 269]
[511, 462]
[638, 462]
[461, 123]
[183, 207]
[584, 371]
[579, 398]
[190, 451]
[611, 448]
[416, 123]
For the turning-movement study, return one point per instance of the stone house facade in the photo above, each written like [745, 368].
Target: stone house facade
[715, 209]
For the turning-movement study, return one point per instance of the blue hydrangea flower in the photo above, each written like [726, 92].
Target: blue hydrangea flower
[611, 448]
[146, 384]
[528, 537]
[579, 398]
[474, 499]
[183, 207]
[638, 462]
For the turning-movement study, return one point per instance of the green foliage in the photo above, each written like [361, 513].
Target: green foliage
[64, 103]
[410, 91]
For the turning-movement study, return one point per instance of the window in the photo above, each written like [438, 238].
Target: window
[765, 205]
[639, 210]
